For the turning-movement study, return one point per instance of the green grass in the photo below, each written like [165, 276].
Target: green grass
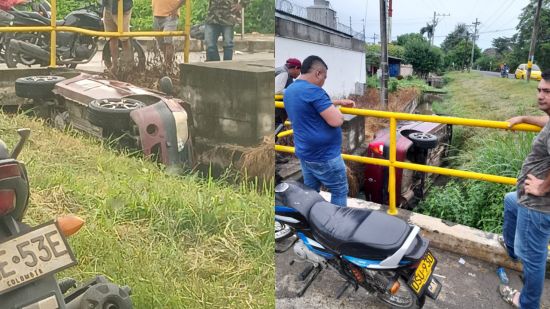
[476, 203]
[177, 241]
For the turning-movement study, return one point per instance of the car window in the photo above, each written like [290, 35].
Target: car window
[522, 67]
[535, 67]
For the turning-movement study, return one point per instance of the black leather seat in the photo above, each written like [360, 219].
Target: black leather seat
[358, 232]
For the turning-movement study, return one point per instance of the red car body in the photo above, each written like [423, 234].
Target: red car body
[409, 184]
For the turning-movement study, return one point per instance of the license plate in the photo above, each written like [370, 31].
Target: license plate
[25, 258]
[423, 273]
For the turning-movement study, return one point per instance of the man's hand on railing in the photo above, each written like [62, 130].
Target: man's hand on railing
[344, 102]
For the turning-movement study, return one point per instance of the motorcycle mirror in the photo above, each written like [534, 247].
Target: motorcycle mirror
[23, 137]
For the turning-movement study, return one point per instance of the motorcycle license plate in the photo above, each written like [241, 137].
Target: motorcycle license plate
[25, 258]
[423, 273]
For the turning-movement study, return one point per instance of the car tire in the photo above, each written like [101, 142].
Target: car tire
[36, 87]
[112, 114]
[423, 140]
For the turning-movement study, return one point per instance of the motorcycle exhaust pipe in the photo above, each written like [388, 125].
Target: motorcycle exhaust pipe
[29, 49]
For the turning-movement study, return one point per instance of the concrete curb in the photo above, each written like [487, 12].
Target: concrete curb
[264, 44]
[451, 237]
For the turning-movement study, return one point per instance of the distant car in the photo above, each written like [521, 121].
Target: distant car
[154, 122]
[521, 72]
[417, 142]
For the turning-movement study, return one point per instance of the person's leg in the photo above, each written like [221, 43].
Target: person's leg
[336, 181]
[510, 220]
[308, 172]
[127, 53]
[110, 26]
[531, 245]
[227, 42]
[170, 24]
[211, 34]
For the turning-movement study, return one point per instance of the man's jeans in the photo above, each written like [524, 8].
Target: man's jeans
[526, 234]
[211, 34]
[332, 174]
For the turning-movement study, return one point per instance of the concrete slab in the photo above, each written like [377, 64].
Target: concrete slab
[232, 101]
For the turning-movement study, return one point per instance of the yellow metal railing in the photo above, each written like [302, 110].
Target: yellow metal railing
[392, 164]
[53, 28]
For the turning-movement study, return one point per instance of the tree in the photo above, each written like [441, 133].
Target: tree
[503, 45]
[454, 38]
[423, 57]
[404, 38]
[429, 30]
[521, 40]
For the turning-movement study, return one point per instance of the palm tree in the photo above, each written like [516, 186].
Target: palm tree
[429, 30]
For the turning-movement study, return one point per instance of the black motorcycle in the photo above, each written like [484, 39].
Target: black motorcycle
[369, 249]
[29, 48]
[30, 256]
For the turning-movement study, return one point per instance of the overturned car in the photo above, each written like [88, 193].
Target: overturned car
[138, 118]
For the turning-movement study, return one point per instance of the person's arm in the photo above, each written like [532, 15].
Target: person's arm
[333, 116]
[280, 82]
[539, 121]
[344, 102]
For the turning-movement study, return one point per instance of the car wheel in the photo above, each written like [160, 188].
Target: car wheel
[112, 113]
[423, 140]
[36, 87]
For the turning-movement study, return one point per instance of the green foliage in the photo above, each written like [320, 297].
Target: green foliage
[258, 14]
[373, 82]
[372, 53]
[404, 38]
[476, 203]
[423, 57]
[459, 35]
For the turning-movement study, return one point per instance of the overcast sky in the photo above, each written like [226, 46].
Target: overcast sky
[497, 17]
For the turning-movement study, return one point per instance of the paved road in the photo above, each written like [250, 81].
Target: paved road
[495, 74]
[469, 285]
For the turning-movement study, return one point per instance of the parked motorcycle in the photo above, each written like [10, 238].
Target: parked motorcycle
[29, 48]
[30, 256]
[369, 249]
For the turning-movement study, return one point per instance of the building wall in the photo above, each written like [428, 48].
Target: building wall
[345, 67]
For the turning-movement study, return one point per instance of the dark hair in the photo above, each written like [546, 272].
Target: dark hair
[310, 62]
[546, 75]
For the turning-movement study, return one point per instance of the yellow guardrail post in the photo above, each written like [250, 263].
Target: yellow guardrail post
[119, 17]
[187, 31]
[392, 210]
[53, 34]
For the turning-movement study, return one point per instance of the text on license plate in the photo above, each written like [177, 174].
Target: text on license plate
[422, 273]
[32, 255]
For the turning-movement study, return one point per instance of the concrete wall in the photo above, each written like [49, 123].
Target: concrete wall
[345, 66]
[232, 101]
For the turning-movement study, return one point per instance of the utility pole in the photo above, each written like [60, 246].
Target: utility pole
[383, 56]
[533, 41]
[390, 13]
[373, 37]
[435, 21]
[350, 29]
[474, 43]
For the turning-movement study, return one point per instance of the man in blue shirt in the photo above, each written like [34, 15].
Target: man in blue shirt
[317, 134]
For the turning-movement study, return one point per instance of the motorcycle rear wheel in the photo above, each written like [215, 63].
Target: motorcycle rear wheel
[404, 298]
[138, 53]
[13, 58]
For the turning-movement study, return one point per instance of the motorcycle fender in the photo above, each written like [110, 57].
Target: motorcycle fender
[164, 132]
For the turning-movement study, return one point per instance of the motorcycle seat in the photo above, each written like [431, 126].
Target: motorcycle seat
[31, 15]
[357, 232]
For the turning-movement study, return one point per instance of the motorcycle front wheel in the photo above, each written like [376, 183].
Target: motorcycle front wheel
[12, 58]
